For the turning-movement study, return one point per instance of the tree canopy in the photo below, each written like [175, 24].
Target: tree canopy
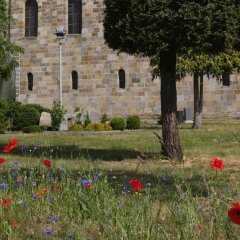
[163, 29]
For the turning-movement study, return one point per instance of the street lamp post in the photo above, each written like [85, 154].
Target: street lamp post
[60, 35]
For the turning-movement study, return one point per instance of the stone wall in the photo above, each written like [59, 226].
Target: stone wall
[97, 67]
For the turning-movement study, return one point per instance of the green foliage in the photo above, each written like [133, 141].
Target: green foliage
[8, 50]
[118, 123]
[87, 121]
[98, 127]
[133, 122]
[39, 107]
[155, 26]
[3, 122]
[105, 118]
[25, 116]
[75, 127]
[34, 129]
[57, 115]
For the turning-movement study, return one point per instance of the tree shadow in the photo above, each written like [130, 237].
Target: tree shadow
[75, 152]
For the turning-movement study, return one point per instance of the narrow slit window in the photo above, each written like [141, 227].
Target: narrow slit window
[121, 74]
[30, 81]
[74, 16]
[31, 18]
[74, 80]
[226, 79]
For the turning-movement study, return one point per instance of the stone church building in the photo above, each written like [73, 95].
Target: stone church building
[93, 76]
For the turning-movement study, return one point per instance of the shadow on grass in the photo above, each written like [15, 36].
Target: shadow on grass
[75, 152]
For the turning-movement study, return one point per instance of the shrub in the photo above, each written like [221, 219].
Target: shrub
[87, 121]
[98, 127]
[57, 115]
[118, 123]
[34, 129]
[25, 116]
[39, 107]
[105, 118]
[3, 123]
[133, 122]
[75, 127]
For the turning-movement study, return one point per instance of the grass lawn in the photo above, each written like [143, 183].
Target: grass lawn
[86, 194]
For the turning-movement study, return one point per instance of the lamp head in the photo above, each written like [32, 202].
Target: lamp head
[60, 32]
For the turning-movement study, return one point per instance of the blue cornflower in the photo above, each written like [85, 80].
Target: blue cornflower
[85, 182]
[50, 200]
[3, 185]
[14, 173]
[34, 197]
[48, 231]
[16, 163]
[34, 183]
[54, 218]
[61, 169]
[125, 188]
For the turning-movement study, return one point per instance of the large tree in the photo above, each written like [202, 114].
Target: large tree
[8, 50]
[166, 28]
[215, 65]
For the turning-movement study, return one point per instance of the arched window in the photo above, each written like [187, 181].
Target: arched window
[74, 80]
[226, 79]
[31, 18]
[74, 16]
[121, 74]
[30, 81]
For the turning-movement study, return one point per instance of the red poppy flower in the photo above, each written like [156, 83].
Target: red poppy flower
[217, 164]
[12, 144]
[6, 202]
[47, 163]
[136, 184]
[15, 224]
[198, 226]
[2, 160]
[234, 213]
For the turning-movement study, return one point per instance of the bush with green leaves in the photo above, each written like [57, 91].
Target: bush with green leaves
[34, 129]
[87, 121]
[133, 122]
[105, 118]
[118, 123]
[98, 127]
[39, 107]
[25, 116]
[3, 123]
[57, 115]
[75, 127]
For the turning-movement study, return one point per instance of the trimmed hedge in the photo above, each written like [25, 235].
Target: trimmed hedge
[98, 127]
[75, 127]
[25, 116]
[118, 123]
[34, 129]
[133, 122]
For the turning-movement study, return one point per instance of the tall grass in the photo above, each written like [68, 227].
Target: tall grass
[187, 201]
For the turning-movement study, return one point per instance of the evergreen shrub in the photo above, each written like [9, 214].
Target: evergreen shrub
[25, 116]
[118, 123]
[133, 122]
[75, 127]
[105, 118]
[34, 129]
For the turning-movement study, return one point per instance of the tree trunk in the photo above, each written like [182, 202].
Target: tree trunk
[198, 100]
[171, 142]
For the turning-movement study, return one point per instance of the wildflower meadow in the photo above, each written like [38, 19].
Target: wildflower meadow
[44, 195]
